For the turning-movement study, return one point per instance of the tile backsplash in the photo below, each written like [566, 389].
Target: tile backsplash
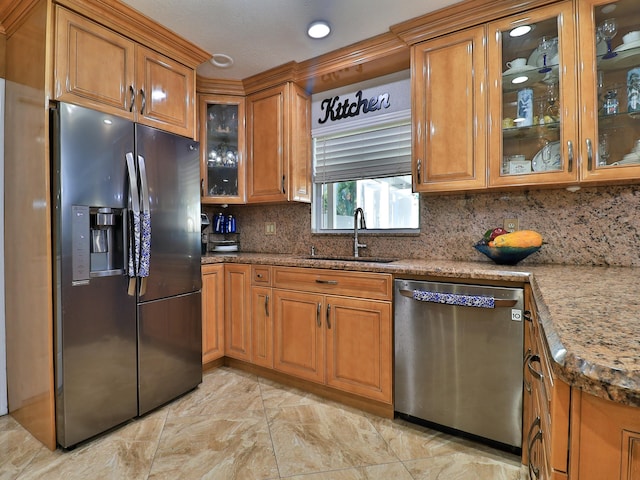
[593, 226]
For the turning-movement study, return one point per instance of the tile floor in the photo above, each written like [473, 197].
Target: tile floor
[239, 426]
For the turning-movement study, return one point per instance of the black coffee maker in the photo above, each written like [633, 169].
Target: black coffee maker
[204, 223]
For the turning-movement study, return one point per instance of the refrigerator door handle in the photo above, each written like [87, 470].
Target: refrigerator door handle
[145, 225]
[134, 225]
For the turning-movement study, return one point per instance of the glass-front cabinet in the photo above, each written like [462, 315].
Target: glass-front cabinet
[609, 39]
[564, 95]
[222, 149]
[533, 97]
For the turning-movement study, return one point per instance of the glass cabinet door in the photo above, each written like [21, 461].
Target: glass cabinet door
[610, 81]
[222, 149]
[533, 99]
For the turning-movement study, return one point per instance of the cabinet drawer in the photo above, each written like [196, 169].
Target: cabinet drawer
[377, 286]
[260, 275]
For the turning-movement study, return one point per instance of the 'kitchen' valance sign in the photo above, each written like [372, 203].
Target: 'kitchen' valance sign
[336, 109]
[379, 96]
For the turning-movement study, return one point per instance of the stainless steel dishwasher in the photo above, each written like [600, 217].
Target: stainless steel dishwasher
[458, 358]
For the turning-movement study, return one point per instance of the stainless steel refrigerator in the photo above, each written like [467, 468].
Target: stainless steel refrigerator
[127, 307]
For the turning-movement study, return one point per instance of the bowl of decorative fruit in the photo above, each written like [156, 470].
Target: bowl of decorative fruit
[506, 248]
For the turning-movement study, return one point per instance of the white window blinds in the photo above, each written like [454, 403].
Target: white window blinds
[384, 151]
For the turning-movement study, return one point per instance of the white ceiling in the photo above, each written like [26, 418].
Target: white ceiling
[262, 34]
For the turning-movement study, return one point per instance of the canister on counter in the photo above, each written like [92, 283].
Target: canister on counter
[220, 224]
[633, 90]
[525, 107]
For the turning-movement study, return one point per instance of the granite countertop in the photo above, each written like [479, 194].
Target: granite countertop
[590, 315]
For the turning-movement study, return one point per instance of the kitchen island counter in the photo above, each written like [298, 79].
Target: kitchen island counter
[590, 315]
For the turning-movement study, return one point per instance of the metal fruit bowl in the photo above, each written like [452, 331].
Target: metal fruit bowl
[506, 255]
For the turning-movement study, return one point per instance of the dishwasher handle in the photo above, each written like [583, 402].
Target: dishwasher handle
[457, 299]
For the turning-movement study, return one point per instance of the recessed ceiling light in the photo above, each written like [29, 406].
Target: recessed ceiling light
[520, 79]
[519, 31]
[221, 60]
[319, 29]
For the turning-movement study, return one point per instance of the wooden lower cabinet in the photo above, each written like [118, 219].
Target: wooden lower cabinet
[358, 346]
[212, 312]
[237, 311]
[299, 334]
[262, 326]
[546, 402]
[338, 341]
[605, 439]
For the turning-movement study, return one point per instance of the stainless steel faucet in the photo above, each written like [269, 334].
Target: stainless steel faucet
[363, 225]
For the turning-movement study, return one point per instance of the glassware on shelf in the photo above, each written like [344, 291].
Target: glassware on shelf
[633, 90]
[546, 48]
[553, 108]
[608, 29]
[603, 150]
[611, 104]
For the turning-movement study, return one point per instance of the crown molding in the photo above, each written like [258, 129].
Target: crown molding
[219, 86]
[275, 76]
[364, 60]
[12, 12]
[138, 27]
[459, 16]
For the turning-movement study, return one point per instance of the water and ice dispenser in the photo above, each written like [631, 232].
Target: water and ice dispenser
[97, 242]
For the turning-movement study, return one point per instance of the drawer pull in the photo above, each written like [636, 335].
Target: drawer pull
[318, 321]
[326, 282]
[527, 357]
[258, 275]
[527, 316]
[329, 315]
[534, 372]
[534, 472]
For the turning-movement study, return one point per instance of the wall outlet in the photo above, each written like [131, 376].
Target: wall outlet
[510, 224]
[269, 228]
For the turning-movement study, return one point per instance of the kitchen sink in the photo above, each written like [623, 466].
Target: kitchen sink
[351, 259]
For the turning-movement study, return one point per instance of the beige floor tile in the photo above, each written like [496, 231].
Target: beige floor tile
[126, 452]
[389, 471]
[275, 395]
[17, 448]
[221, 391]
[316, 438]
[462, 466]
[216, 448]
[411, 442]
[238, 426]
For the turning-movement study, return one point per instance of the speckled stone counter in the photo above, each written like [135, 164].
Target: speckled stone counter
[590, 315]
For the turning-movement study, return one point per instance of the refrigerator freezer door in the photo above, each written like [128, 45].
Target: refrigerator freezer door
[95, 319]
[170, 349]
[173, 186]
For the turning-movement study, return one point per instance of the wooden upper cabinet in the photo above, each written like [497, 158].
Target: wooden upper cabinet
[94, 66]
[533, 108]
[166, 93]
[265, 145]
[98, 68]
[449, 111]
[279, 145]
[300, 150]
